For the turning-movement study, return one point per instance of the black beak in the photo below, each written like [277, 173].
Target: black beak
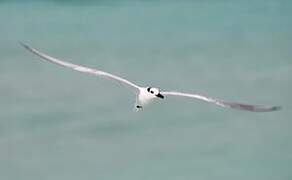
[160, 96]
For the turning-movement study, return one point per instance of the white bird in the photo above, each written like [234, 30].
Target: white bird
[144, 95]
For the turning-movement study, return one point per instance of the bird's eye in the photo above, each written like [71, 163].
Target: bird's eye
[151, 92]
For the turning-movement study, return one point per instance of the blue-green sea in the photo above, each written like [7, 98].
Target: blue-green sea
[57, 124]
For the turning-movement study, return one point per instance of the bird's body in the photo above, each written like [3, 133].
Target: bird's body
[145, 95]
[143, 98]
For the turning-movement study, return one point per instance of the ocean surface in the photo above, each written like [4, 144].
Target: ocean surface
[57, 124]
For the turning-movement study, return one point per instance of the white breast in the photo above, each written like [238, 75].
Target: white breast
[145, 97]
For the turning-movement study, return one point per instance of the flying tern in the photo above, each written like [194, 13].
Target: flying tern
[144, 95]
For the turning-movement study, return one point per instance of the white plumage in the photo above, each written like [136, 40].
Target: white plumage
[144, 95]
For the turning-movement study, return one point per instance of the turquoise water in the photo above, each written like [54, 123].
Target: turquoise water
[59, 124]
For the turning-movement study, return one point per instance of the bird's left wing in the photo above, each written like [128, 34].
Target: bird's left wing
[82, 68]
[222, 103]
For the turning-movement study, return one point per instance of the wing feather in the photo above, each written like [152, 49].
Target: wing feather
[81, 68]
[222, 103]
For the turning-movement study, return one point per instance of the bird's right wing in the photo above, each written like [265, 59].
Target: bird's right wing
[82, 68]
[222, 103]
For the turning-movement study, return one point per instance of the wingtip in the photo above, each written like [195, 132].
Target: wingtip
[26, 46]
[276, 108]
[270, 109]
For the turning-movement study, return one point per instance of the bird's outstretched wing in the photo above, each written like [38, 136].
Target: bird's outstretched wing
[222, 103]
[82, 68]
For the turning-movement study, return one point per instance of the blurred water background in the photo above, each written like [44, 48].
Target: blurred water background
[63, 125]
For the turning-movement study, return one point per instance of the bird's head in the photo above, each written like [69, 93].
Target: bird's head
[155, 92]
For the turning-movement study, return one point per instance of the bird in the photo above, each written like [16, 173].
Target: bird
[146, 94]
